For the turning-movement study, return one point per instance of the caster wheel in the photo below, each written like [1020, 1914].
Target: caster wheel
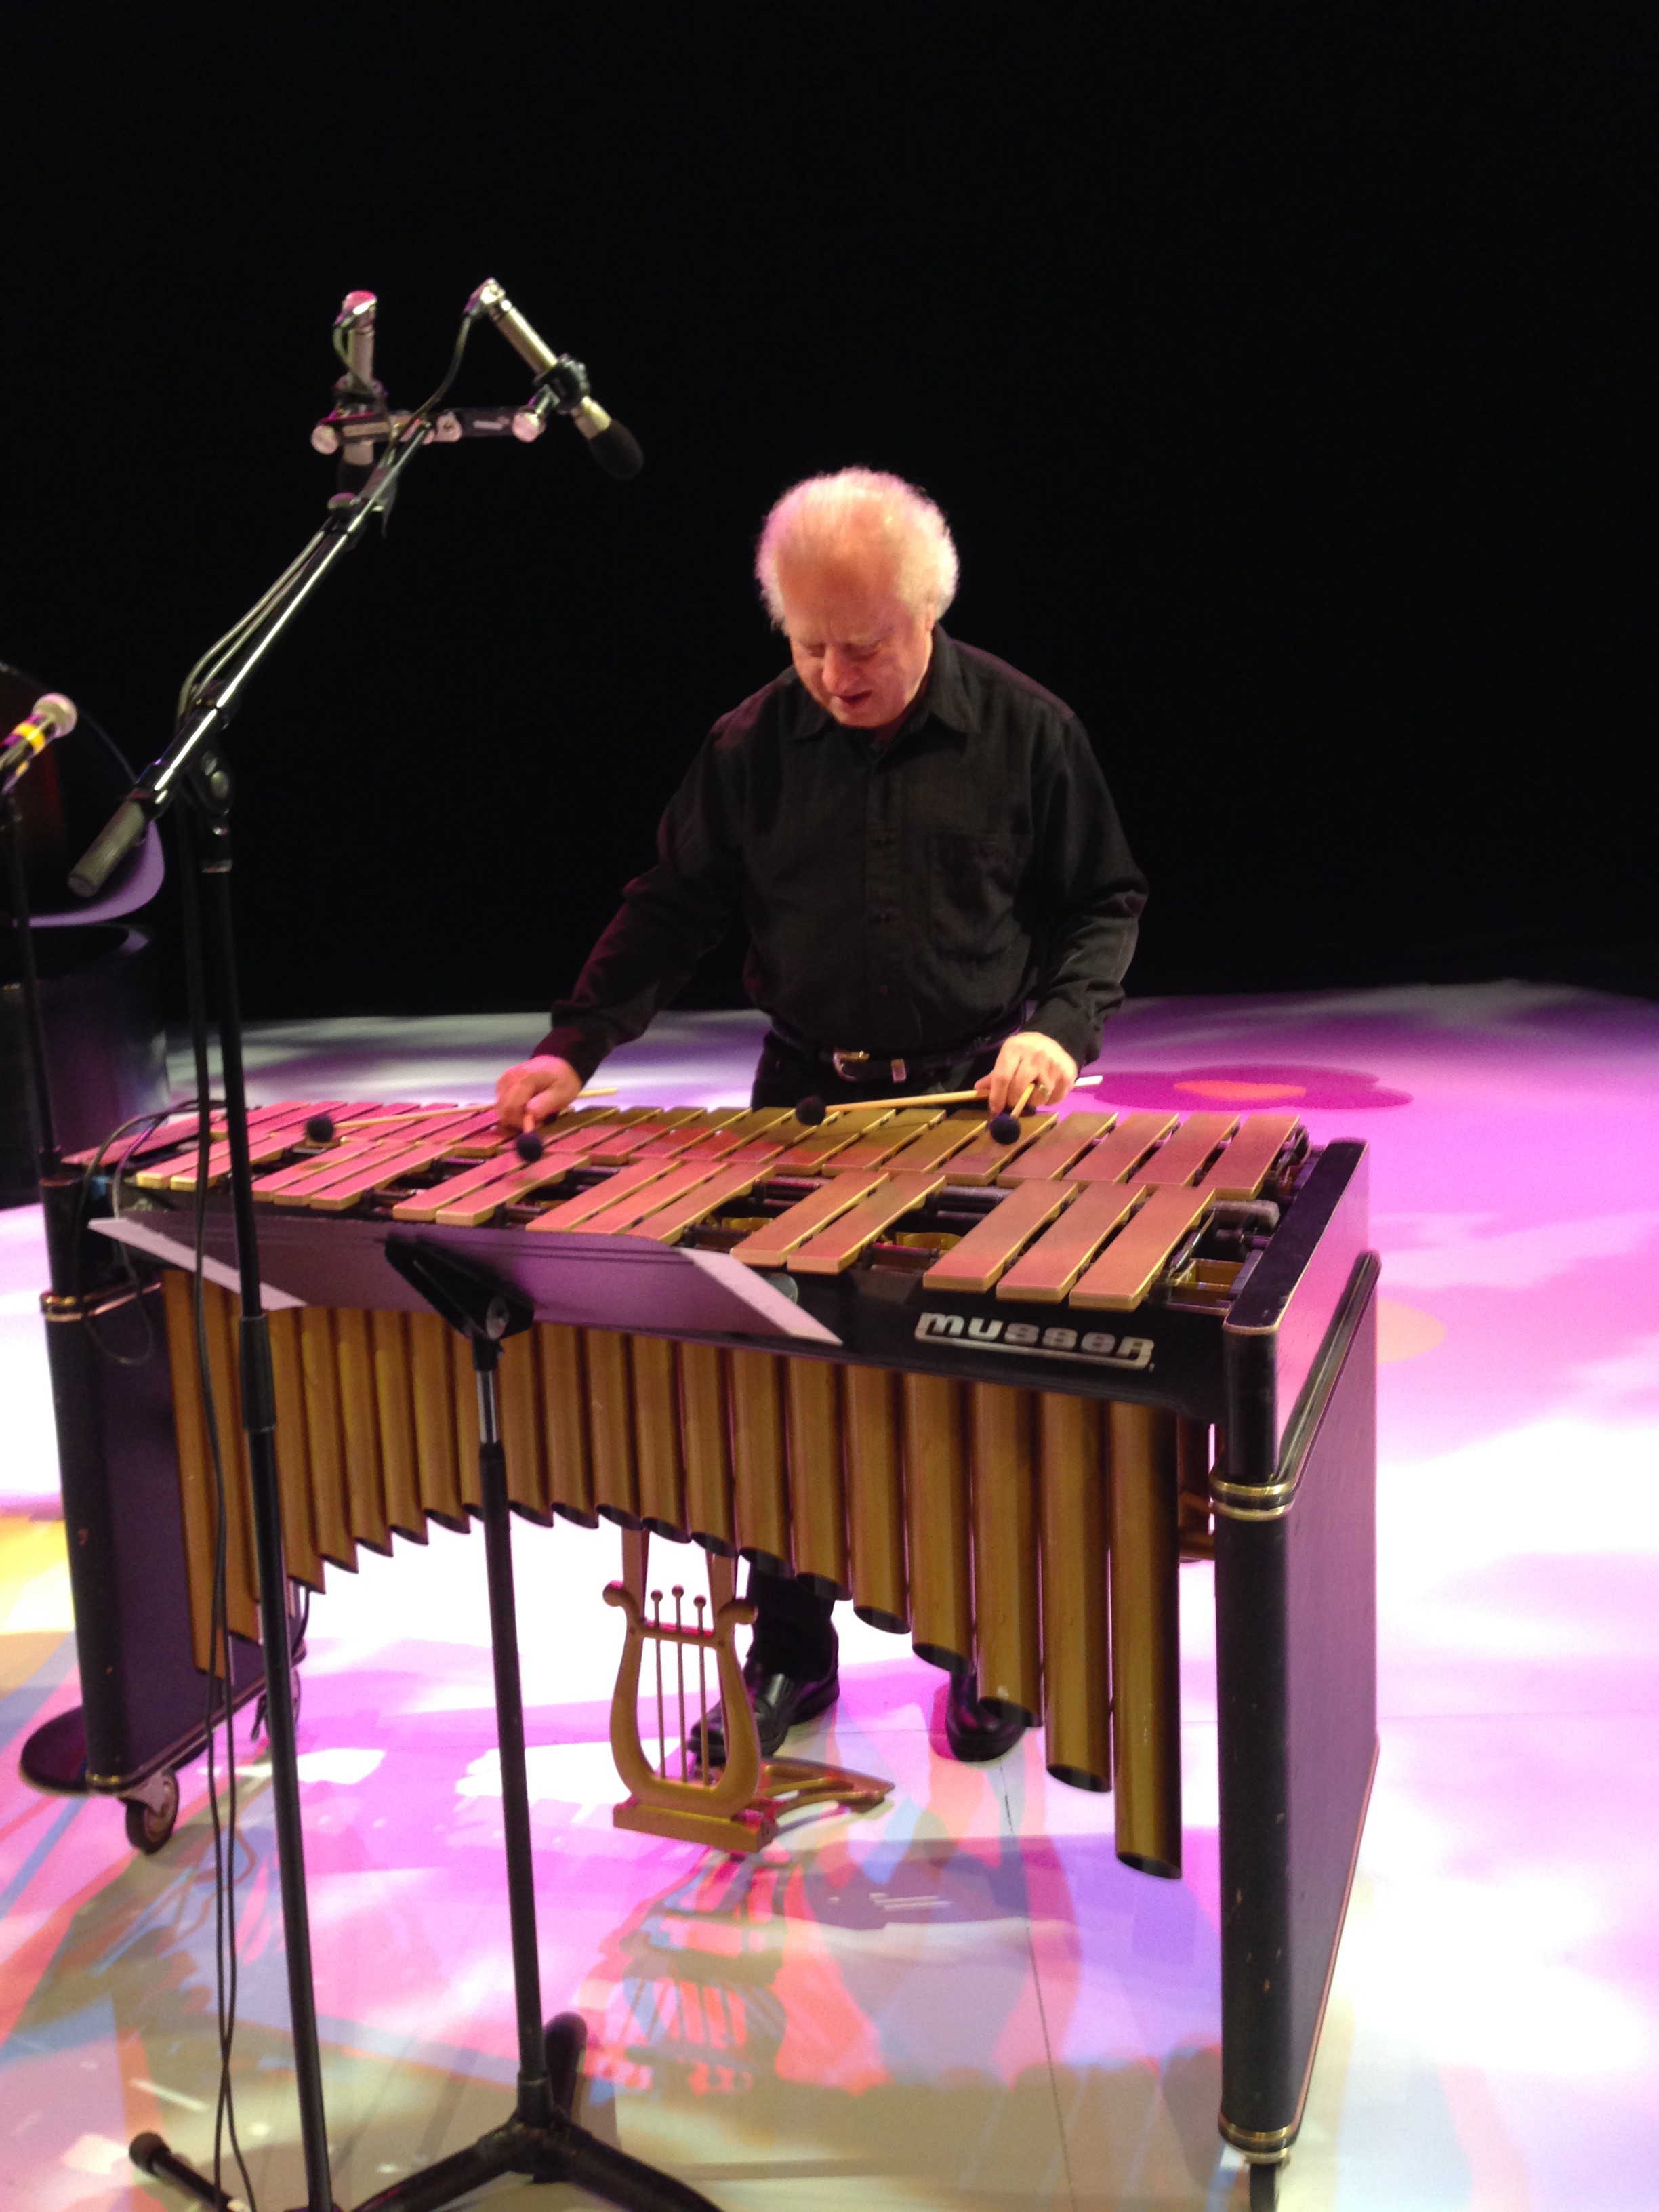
[148, 1826]
[1264, 2188]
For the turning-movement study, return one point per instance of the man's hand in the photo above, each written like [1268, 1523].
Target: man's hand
[1032, 1058]
[533, 1090]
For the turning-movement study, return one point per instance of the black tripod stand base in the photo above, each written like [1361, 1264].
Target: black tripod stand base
[551, 2150]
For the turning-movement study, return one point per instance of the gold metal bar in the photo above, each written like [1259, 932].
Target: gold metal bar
[657, 1437]
[878, 1148]
[706, 1444]
[360, 1434]
[811, 1154]
[241, 1574]
[977, 1259]
[1243, 1167]
[760, 1492]
[1114, 1158]
[708, 1128]
[146, 1144]
[669, 1222]
[935, 1146]
[683, 1179]
[817, 1501]
[1007, 1616]
[559, 1355]
[771, 1246]
[1066, 1139]
[271, 1131]
[1145, 1638]
[722, 1581]
[745, 1129]
[575, 1212]
[906, 1101]
[1128, 1268]
[936, 1487]
[196, 1484]
[464, 1407]
[834, 1249]
[337, 1178]
[519, 1380]
[394, 1409]
[434, 1420]
[1197, 1532]
[283, 1183]
[985, 1159]
[1179, 1160]
[467, 1199]
[371, 1173]
[875, 1497]
[636, 1562]
[1046, 1271]
[627, 1144]
[610, 1425]
[330, 1497]
[299, 1549]
[767, 1144]
[1076, 1685]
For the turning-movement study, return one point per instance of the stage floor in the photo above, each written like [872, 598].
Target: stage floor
[963, 2000]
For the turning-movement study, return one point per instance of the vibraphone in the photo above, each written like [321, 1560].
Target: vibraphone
[991, 1394]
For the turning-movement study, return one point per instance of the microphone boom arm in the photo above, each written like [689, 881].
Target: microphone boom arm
[190, 751]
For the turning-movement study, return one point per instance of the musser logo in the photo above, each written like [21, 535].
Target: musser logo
[1093, 1345]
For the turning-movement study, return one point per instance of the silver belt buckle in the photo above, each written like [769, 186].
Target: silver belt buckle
[855, 1068]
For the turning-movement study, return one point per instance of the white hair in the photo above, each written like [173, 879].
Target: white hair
[818, 515]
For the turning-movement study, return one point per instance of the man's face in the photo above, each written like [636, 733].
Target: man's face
[858, 648]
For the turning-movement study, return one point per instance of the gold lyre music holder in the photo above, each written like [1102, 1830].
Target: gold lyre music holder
[735, 1807]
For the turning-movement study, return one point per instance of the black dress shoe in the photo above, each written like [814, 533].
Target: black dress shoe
[974, 1733]
[779, 1701]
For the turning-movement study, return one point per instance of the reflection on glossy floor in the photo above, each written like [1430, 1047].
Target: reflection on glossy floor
[963, 2000]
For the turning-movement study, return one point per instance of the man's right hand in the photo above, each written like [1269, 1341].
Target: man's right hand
[533, 1090]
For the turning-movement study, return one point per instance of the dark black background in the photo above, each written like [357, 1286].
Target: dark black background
[1285, 374]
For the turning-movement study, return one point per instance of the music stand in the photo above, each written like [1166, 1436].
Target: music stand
[541, 2139]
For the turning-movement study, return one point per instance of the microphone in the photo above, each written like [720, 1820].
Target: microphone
[354, 328]
[53, 716]
[561, 388]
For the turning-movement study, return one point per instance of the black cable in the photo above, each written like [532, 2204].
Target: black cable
[224, 1833]
[208, 666]
[144, 1123]
[423, 413]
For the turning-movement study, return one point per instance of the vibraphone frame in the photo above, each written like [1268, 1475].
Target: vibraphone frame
[1287, 1377]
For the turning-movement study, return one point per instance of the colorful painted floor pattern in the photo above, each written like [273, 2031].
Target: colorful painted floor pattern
[962, 2001]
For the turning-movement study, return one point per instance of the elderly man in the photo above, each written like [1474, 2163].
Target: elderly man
[937, 892]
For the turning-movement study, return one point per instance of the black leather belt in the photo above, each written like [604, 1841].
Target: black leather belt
[866, 1068]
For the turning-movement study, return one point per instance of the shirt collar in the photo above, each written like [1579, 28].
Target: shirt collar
[944, 698]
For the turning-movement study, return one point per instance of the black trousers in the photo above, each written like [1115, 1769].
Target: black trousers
[794, 1632]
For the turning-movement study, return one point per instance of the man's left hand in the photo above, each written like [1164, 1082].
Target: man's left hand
[1029, 1058]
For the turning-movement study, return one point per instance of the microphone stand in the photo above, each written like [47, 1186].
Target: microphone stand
[192, 769]
[541, 2138]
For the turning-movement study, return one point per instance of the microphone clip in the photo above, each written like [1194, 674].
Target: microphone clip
[561, 389]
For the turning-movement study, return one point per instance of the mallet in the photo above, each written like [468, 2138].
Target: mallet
[1003, 1127]
[321, 1130]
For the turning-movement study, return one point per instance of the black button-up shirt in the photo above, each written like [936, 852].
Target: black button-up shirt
[968, 877]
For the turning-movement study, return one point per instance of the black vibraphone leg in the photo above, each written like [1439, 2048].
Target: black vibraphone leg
[1296, 1650]
[1264, 2185]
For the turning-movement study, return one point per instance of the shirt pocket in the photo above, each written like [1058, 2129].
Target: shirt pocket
[975, 878]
